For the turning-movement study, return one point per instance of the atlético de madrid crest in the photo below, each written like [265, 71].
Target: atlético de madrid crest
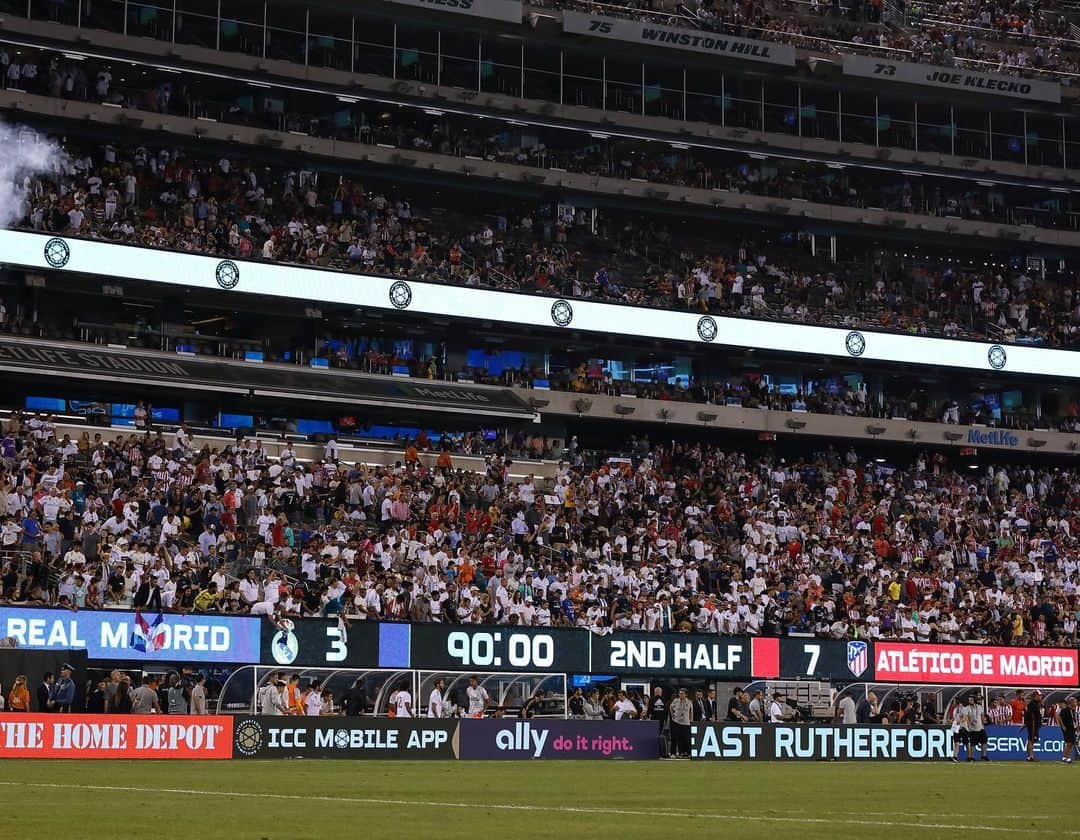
[857, 657]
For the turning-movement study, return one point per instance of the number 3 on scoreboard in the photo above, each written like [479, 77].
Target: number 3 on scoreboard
[814, 652]
[338, 649]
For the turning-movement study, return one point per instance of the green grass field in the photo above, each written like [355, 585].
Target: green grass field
[311, 798]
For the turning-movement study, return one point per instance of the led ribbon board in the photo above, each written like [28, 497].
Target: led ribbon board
[91, 257]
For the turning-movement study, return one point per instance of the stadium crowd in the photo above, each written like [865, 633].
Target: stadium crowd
[167, 198]
[1011, 38]
[663, 538]
[1018, 37]
[460, 136]
[589, 376]
[395, 355]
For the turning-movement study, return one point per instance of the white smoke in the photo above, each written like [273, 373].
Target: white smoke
[24, 154]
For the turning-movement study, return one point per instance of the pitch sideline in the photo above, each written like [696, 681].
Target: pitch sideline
[567, 809]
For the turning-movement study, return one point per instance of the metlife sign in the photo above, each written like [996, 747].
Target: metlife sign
[811, 742]
[132, 636]
[645, 33]
[992, 437]
[505, 10]
[952, 78]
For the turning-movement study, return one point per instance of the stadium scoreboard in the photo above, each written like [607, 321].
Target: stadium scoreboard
[110, 636]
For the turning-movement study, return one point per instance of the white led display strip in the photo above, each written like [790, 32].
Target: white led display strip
[106, 259]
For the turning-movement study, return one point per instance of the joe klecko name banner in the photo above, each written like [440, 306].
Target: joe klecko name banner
[952, 78]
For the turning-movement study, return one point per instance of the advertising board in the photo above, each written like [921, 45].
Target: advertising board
[115, 736]
[344, 737]
[1009, 743]
[562, 739]
[812, 742]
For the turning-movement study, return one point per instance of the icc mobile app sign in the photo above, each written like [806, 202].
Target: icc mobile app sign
[135, 636]
[974, 665]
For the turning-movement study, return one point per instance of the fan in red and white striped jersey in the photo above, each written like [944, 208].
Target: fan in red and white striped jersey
[999, 712]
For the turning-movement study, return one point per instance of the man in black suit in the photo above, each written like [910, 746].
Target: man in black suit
[148, 595]
[703, 706]
[44, 691]
[1067, 717]
[1033, 721]
[355, 699]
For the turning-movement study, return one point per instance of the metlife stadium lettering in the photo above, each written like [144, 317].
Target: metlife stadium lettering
[992, 438]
